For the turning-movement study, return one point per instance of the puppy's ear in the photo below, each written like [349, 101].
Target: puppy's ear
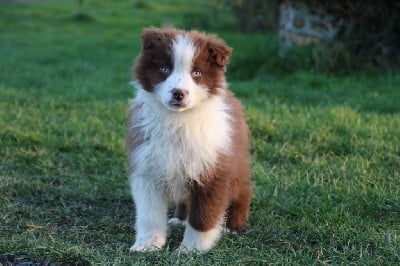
[219, 52]
[155, 37]
[150, 38]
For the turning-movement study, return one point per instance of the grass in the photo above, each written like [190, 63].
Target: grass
[325, 147]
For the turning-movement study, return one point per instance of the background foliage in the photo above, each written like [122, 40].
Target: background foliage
[369, 36]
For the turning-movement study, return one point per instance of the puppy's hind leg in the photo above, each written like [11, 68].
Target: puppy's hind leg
[238, 210]
[180, 214]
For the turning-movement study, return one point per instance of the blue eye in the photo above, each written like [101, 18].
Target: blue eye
[164, 69]
[196, 73]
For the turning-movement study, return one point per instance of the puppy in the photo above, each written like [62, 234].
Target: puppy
[187, 141]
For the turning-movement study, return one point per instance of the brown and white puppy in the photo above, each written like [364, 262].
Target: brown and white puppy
[187, 140]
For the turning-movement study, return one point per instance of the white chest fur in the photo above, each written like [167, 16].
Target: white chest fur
[179, 146]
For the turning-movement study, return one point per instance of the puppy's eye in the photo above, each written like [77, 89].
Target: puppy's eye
[165, 70]
[196, 73]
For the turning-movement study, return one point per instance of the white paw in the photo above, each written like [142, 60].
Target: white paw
[142, 248]
[145, 245]
[226, 230]
[176, 221]
[194, 240]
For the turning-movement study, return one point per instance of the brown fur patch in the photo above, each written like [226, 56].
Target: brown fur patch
[227, 189]
[212, 56]
[156, 52]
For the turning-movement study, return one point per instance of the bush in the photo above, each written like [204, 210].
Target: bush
[254, 15]
[371, 31]
[369, 36]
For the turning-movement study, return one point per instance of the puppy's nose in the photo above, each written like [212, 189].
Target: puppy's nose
[179, 94]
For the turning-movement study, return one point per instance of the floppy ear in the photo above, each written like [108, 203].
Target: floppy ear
[151, 37]
[154, 37]
[219, 52]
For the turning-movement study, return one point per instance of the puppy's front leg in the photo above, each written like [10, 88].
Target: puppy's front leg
[151, 215]
[207, 211]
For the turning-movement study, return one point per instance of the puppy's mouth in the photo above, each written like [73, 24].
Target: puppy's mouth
[177, 105]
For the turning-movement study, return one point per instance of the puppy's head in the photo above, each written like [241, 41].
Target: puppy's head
[182, 69]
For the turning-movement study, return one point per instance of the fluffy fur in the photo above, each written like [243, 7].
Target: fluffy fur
[187, 141]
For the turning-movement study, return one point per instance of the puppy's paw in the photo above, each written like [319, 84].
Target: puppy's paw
[138, 247]
[151, 244]
[226, 230]
[176, 221]
[198, 241]
[142, 248]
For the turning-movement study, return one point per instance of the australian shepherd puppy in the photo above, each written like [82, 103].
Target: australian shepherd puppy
[187, 140]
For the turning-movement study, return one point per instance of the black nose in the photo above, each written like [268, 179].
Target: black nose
[179, 94]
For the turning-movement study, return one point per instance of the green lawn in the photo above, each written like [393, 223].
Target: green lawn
[325, 147]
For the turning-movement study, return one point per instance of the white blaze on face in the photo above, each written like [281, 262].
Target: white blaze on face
[183, 53]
